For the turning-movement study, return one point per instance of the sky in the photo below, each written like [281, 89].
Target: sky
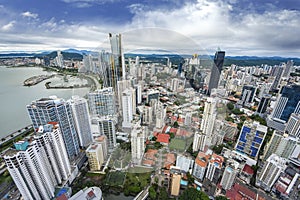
[239, 27]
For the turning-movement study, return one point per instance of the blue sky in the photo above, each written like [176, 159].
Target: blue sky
[240, 27]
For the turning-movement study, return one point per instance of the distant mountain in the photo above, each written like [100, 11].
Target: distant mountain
[82, 52]
[157, 55]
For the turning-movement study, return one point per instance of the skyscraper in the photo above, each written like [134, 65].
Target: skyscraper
[38, 165]
[209, 118]
[128, 100]
[82, 120]
[117, 60]
[247, 96]
[288, 68]
[216, 71]
[102, 102]
[271, 171]
[263, 104]
[288, 102]
[97, 153]
[138, 138]
[229, 175]
[107, 127]
[293, 125]
[251, 138]
[277, 71]
[55, 109]
[214, 167]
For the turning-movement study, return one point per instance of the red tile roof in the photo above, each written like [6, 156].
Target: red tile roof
[164, 138]
[247, 169]
[239, 192]
[173, 130]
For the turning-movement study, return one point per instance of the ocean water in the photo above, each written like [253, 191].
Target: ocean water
[14, 96]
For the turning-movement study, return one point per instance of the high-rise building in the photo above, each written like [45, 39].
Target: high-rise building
[199, 141]
[209, 118]
[97, 153]
[117, 60]
[293, 125]
[277, 72]
[160, 114]
[216, 71]
[288, 102]
[138, 139]
[107, 127]
[288, 68]
[184, 163]
[55, 109]
[128, 106]
[59, 60]
[281, 144]
[248, 95]
[188, 119]
[251, 138]
[122, 86]
[214, 167]
[263, 104]
[40, 164]
[229, 175]
[82, 120]
[271, 171]
[102, 102]
[201, 162]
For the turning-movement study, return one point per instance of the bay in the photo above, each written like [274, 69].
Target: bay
[14, 96]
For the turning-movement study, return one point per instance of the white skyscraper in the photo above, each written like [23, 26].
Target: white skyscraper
[107, 127]
[188, 119]
[122, 86]
[229, 175]
[82, 120]
[293, 125]
[271, 171]
[199, 141]
[138, 138]
[160, 114]
[209, 117]
[39, 165]
[55, 109]
[127, 107]
[214, 166]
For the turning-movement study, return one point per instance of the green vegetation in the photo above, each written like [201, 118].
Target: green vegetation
[229, 119]
[190, 150]
[230, 106]
[259, 119]
[221, 198]
[192, 193]
[176, 125]
[237, 111]
[178, 144]
[115, 178]
[5, 178]
[135, 183]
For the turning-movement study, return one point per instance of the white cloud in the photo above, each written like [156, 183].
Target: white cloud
[29, 14]
[9, 26]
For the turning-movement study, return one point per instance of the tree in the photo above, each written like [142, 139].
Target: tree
[162, 194]
[152, 193]
[172, 135]
[192, 193]
[230, 106]
[190, 178]
[176, 125]
[221, 198]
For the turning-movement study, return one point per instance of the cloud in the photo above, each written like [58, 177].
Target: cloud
[8, 27]
[29, 14]
[88, 3]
